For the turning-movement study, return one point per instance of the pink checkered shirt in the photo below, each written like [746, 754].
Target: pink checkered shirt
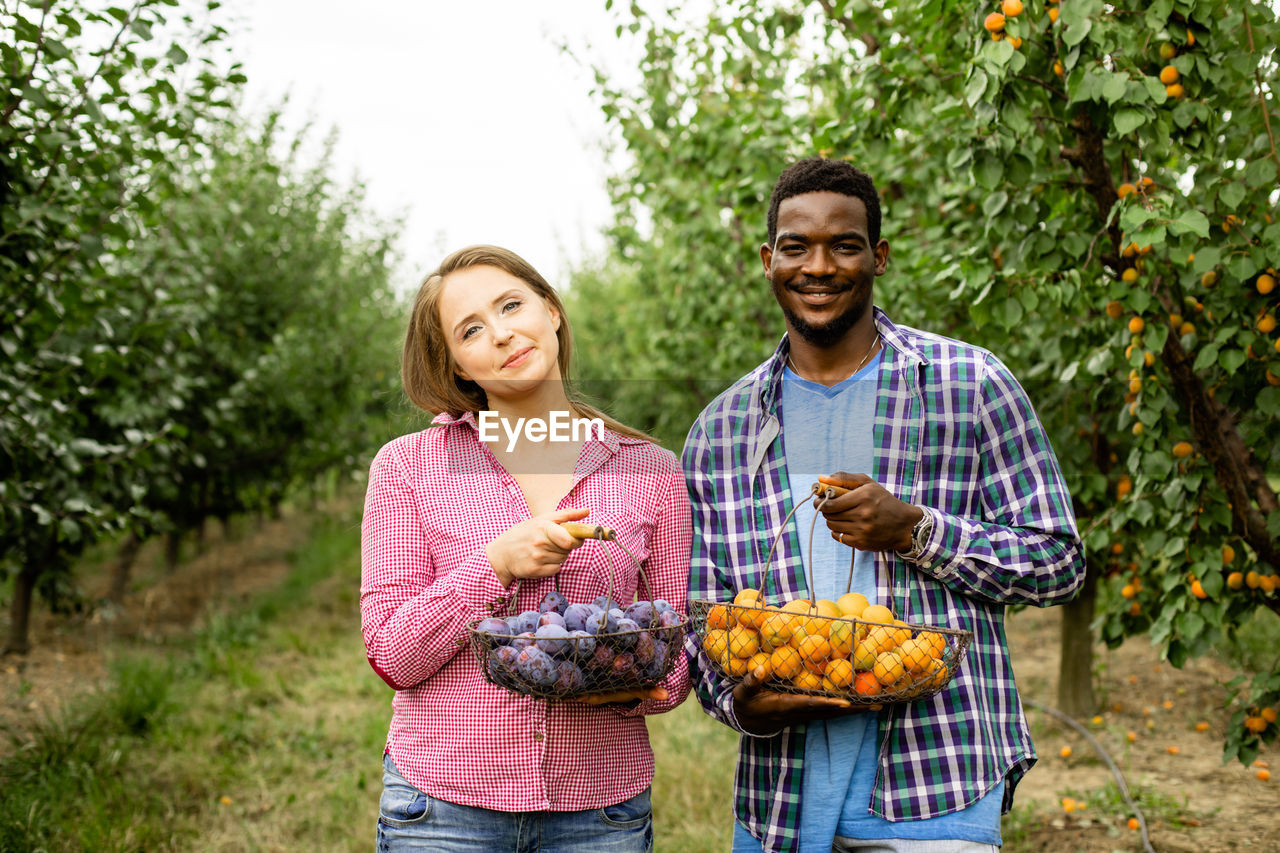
[435, 499]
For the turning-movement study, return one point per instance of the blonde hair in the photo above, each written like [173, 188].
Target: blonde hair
[427, 368]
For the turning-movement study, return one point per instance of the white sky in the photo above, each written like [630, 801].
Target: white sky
[464, 116]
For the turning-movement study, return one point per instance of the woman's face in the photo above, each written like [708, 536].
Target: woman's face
[501, 334]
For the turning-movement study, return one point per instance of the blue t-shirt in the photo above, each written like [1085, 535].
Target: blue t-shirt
[842, 754]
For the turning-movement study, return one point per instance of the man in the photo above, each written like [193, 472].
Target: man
[956, 510]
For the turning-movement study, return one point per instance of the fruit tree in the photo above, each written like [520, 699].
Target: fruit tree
[1088, 190]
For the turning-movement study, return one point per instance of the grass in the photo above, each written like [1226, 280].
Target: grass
[263, 731]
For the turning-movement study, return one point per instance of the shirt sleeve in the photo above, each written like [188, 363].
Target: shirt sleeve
[413, 620]
[667, 570]
[1025, 549]
[713, 690]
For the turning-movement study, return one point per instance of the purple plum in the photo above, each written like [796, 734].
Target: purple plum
[553, 601]
[526, 621]
[641, 613]
[623, 667]
[602, 659]
[604, 602]
[553, 639]
[625, 639]
[551, 617]
[600, 622]
[670, 621]
[536, 667]
[575, 616]
[584, 645]
[660, 606]
[569, 679]
[523, 640]
[498, 631]
[644, 648]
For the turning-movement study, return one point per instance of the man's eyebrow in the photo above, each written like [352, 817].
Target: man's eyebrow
[836, 238]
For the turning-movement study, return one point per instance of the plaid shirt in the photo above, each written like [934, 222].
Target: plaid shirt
[436, 498]
[955, 434]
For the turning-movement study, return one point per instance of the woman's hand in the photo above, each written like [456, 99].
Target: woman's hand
[535, 548]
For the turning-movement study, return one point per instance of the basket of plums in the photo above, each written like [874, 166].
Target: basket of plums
[566, 650]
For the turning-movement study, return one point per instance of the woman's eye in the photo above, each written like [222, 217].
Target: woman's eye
[469, 331]
[511, 306]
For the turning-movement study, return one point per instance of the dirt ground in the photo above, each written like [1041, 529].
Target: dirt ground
[1193, 801]
[70, 654]
[1203, 805]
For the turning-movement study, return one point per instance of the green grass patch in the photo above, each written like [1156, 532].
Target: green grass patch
[693, 780]
[261, 731]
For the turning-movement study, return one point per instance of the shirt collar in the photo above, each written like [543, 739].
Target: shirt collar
[894, 342]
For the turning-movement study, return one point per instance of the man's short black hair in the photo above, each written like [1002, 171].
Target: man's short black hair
[817, 174]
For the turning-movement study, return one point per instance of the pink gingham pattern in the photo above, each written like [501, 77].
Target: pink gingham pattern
[435, 499]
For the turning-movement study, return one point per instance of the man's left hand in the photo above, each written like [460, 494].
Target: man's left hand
[867, 517]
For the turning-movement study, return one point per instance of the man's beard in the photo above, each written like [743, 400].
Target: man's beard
[831, 333]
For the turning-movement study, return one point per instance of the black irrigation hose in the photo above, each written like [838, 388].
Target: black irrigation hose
[1115, 771]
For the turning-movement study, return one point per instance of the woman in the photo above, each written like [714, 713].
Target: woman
[463, 523]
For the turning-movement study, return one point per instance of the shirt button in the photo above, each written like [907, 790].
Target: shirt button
[537, 735]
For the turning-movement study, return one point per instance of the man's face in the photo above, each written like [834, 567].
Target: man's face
[823, 264]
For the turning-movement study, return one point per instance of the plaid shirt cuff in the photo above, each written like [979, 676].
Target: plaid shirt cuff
[936, 558]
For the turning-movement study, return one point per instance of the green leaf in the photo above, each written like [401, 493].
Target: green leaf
[1191, 222]
[998, 52]
[994, 203]
[1261, 173]
[1128, 119]
[988, 169]
[1155, 89]
[1231, 360]
[1232, 195]
[976, 87]
[1009, 312]
[1113, 90]
[1077, 32]
[1207, 356]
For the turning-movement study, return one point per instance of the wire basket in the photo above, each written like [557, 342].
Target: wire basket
[802, 648]
[568, 651]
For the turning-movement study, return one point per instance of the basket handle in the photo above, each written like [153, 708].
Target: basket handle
[583, 530]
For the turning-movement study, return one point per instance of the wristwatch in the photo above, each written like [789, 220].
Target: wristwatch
[919, 535]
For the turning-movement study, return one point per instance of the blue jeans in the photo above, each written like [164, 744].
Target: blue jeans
[410, 820]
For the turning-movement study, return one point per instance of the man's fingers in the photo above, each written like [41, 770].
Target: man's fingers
[844, 480]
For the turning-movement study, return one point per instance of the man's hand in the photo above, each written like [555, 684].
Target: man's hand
[761, 711]
[869, 518]
[658, 693]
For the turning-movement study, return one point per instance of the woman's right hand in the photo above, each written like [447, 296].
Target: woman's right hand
[535, 548]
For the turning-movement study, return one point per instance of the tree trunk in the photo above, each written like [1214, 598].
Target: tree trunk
[1075, 669]
[124, 565]
[202, 530]
[172, 549]
[20, 609]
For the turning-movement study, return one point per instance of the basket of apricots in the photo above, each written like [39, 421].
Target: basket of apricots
[848, 648]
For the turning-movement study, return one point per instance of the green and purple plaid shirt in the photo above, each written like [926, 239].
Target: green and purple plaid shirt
[955, 433]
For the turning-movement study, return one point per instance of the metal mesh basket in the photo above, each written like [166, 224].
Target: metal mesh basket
[568, 651]
[802, 649]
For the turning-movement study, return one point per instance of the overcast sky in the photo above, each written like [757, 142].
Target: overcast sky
[465, 117]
